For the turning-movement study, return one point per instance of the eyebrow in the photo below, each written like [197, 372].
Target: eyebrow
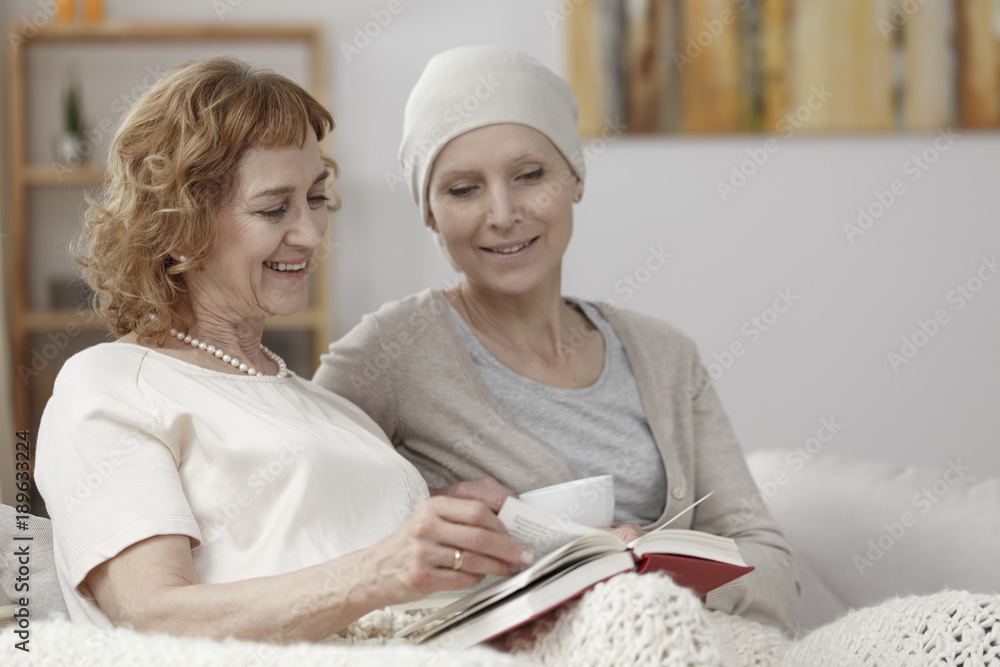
[288, 189]
[523, 156]
[528, 154]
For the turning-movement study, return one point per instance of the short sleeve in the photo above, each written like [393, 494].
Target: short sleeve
[108, 478]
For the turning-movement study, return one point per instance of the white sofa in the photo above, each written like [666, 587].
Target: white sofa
[865, 531]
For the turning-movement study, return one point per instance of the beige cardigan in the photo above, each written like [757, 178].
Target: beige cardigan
[407, 366]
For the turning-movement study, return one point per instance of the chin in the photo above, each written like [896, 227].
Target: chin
[516, 283]
[288, 307]
[514, 288]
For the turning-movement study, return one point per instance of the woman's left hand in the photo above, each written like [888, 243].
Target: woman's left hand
[626, 532]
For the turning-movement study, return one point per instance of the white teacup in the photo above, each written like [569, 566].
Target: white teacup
[589, 501]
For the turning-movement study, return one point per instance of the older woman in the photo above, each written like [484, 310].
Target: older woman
[224, 495]
[501, 384]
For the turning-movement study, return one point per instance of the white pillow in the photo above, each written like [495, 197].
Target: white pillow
[868, 530]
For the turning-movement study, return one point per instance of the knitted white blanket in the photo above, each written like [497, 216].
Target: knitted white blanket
[629, 620]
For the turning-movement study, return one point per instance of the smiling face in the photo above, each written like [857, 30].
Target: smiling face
[501, 197]
[267, 235]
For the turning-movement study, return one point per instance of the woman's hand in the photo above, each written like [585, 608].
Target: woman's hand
[485, 489]
[420, 557]
[626, 532]
[153, 584]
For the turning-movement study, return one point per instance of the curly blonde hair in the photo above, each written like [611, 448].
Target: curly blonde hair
[171, 169]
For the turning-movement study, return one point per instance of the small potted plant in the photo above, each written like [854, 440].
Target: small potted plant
[71, 142]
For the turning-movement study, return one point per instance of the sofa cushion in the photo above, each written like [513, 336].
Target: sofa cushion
[867, 530]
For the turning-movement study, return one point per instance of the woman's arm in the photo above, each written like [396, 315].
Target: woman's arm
[358, 368]
[152, 585]
[771, 593]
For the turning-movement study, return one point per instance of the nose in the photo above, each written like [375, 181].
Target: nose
[504, 210]
[308, 228]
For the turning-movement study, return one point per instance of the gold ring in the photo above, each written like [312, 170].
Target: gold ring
[459, 559]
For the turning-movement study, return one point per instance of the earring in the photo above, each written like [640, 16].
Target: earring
[182, 258]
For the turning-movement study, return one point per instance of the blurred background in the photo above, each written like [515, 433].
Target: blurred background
[837, 275]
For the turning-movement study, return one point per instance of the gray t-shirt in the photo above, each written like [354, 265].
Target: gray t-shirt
[602, 428]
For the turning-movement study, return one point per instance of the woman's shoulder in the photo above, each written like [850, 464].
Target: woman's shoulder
[106, 376]
[102, 361]
[429, 302]
[645, 329]
[409, 317]
[122, 369]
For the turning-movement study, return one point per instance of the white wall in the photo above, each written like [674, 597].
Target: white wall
[825, 358]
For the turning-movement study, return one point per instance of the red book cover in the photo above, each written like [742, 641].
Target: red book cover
[699, 574]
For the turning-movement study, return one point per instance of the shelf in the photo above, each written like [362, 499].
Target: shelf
[27, 324]
[63, 175]
[122, 31]
[51, 320]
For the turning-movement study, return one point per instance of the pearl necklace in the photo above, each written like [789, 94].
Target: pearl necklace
[229, 359]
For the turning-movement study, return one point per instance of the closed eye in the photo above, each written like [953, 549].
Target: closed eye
[533, 175]
[461, 191]
[273, 214]
[318, 200]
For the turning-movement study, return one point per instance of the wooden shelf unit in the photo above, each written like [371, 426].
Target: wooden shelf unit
[69, 176]
[25, 321]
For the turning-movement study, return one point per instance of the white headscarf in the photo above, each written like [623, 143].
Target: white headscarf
[473, 86]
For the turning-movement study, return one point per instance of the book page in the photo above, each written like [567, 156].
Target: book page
[538, 530]
[548, 537]
[686, 542]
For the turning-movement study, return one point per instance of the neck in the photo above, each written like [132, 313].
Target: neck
[537, 322]
[239, 338]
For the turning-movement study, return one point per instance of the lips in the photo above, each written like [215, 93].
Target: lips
[286, 267]
[511, 248]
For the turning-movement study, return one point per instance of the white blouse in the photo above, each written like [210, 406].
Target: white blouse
[266, 475]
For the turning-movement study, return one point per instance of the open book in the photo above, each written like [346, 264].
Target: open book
[569, 560]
